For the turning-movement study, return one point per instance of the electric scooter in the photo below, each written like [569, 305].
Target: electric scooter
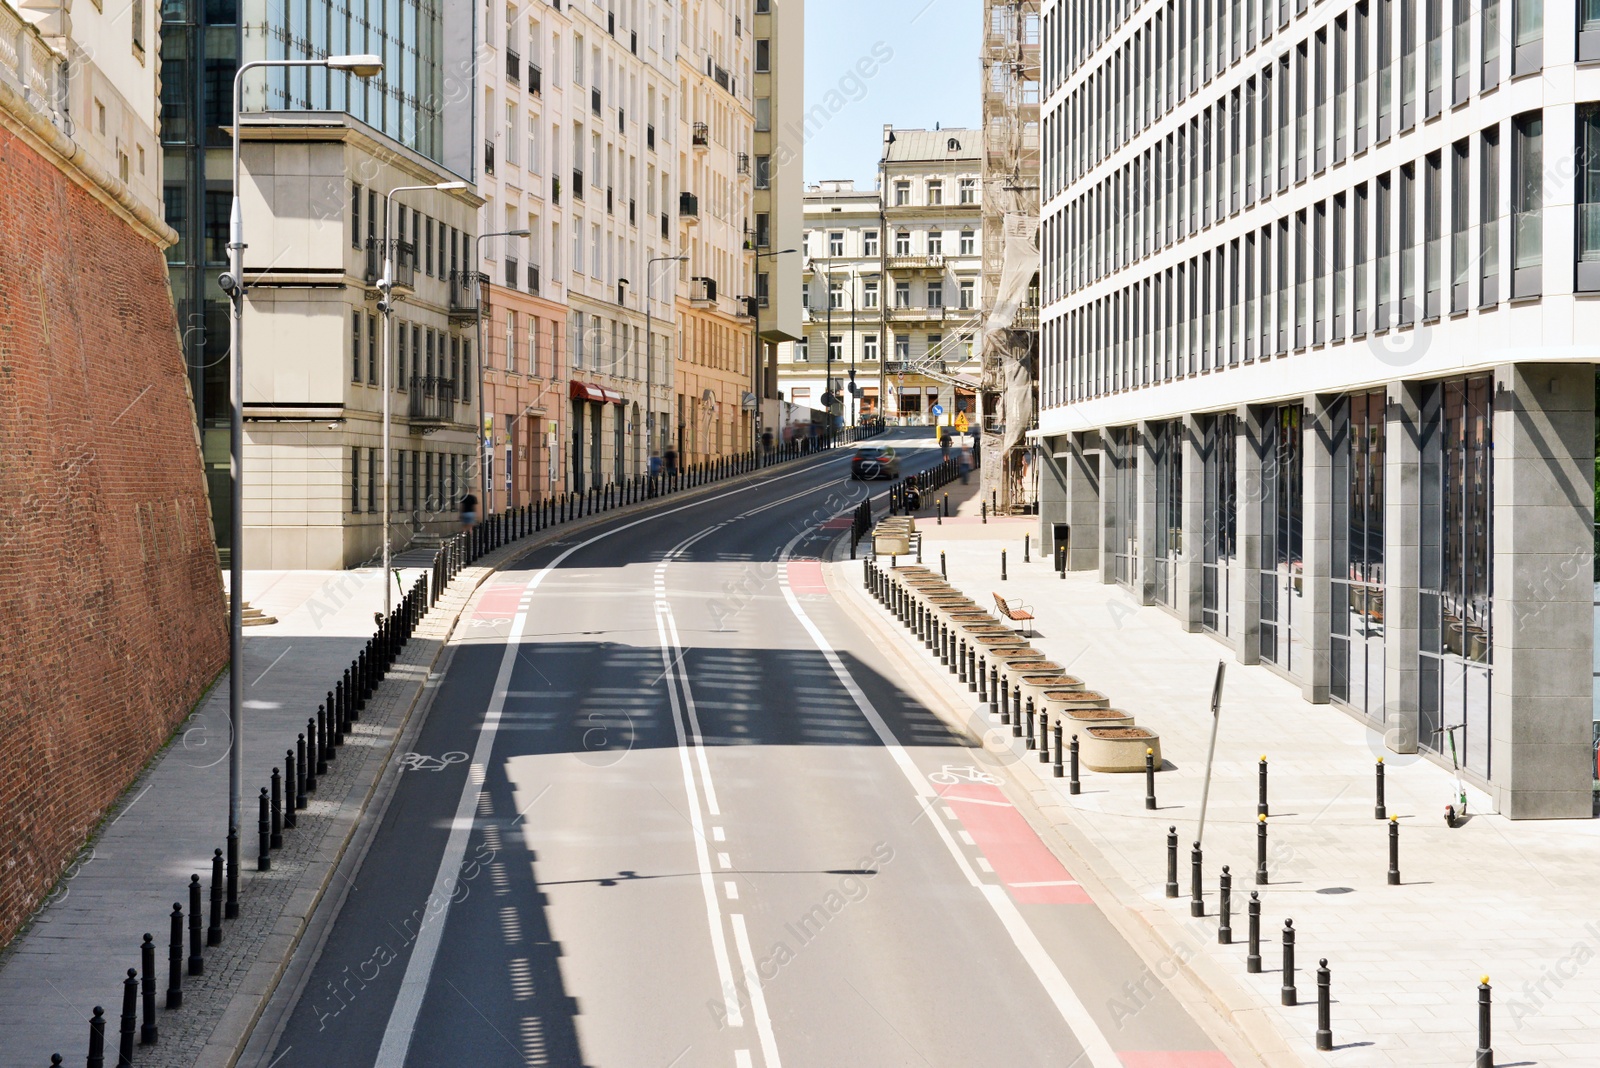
[1453, 813]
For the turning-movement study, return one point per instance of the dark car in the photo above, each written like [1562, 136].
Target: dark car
[875, 461]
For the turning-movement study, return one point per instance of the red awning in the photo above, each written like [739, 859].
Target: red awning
[599, 394]
[612, 396]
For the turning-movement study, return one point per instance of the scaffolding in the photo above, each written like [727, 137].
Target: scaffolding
[1010, 192]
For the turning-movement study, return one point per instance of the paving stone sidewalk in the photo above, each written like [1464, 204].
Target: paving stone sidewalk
[1510, 899]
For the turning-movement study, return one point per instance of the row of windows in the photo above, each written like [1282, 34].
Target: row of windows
[435, 480]
[958, 351]
[933, 291]
[1411, 244]
[419, 350]
[526, 345]
[931, 242]
[1182, 46]
[933, 189]
[439, 250]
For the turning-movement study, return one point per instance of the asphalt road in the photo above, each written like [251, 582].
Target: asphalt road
[671, 806]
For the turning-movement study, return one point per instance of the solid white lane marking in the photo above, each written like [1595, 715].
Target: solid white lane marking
[1097, 1049]
[419, 966]
[758, 997]
[731, 888]
[722, 858]
[718, 834]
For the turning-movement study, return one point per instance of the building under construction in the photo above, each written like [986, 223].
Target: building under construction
[1010, 334]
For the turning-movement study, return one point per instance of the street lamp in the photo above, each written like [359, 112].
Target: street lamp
[484, 448]
[649, 360]
[232, 285]
[759, 371]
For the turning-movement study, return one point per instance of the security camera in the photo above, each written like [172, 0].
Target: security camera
[227, 283]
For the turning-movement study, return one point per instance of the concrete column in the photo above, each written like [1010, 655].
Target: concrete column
[1312, 625]
[1402, 521]
[1053, 456]
[1192, 515]
[1110, 451]
[1245, 576]
[1145, 517]
[1082, 470]
[1543, 625]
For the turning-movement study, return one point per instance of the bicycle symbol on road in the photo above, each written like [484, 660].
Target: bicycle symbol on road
[423, 762]
[951, 774]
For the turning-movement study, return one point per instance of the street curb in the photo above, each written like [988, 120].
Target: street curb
[232, 1037]
[1228, 1014]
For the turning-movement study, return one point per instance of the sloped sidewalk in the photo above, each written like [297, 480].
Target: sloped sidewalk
[1512, 900]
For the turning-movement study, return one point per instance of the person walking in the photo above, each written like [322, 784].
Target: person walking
[964, 463]
[469, 511]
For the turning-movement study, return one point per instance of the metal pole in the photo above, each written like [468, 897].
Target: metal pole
[485, 448]
[1211, 752]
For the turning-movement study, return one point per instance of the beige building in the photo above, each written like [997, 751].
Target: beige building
[716, 333]
[779, 185]
[312, 192]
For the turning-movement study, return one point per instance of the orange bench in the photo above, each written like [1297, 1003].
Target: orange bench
[1018, 614]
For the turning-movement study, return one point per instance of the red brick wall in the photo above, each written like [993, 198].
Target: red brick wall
[112, 617]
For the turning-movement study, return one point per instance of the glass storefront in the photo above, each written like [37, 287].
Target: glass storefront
[1282, 509]
[1356, 626]
[1166, 456]
[1122, 443]
[1219, 535]
[1455, 583]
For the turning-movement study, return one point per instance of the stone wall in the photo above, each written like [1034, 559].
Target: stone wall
[112, 614]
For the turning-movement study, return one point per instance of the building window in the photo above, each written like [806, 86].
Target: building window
[805, 294]
[1588, 251]
[763, 290]
[935, 192]
[372, 349]
[802, 351]
[355, 346]
[869, 242]
[902, 347]
[902, 294]
[1490, 68]
[835, 243]
[1432, 235]
[969, 191]
[1528, 34]
[763, 114]
[372, 480]
[935, 243]
[969, 243]
[355, 216]
[869, 294]
[902, 243]
[1460, 224]
[355, 479]
[763, 172]
[902, 193]
[835, 295]
[935, 294]
[763, 56]
[1527, 220]
[968, 290]
[763, 229]
[1489, 218]
[869, 348]
[835, 347]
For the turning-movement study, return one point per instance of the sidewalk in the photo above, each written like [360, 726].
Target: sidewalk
[1514, 901]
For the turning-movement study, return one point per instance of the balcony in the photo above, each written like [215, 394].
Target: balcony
[405, 264]
[535, 79]
[464, 294]
[513, 67]
[513, 274]
[488, 157]
[933, 262]
[744, 163]
[688, 207]
[1027, 318]
[920, 314]
[702, 290]
[577, 184]
[701, 135]
[533, 278]
[432, 402]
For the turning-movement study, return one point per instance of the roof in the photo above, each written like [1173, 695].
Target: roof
[919, 145]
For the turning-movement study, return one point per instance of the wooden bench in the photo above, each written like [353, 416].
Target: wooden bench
[1017, 614]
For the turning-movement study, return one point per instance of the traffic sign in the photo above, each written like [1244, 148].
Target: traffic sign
[937, 410]
[961, 422]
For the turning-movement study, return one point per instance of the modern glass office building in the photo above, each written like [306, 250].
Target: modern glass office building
[1319, 353]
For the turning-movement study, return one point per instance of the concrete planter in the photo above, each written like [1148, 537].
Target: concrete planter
[1065, 699]
[1083, 718]
[1117, 749]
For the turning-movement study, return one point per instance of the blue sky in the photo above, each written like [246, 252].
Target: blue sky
[907, 62]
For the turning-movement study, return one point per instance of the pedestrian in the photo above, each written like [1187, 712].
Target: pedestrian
[655, 466]
[964, 464]
[944, 446]
[670, 457]
[469, 511]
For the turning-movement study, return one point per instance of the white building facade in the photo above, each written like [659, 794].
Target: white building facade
[1317, 364]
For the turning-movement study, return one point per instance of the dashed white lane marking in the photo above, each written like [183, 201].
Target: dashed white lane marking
[722, 858]
[758, 997]
[966, 836]
[718, 834]
[741, 1059]
[983, 862]
[949, 813]
[731, 888]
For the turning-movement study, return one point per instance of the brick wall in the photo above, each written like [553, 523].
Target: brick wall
[112, 617]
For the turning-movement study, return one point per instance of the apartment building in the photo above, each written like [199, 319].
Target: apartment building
[716, 236]
[1318, 369]
[779, 82]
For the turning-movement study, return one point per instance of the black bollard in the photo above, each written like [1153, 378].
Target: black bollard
[1380, 810]
[197, 962]
[1261, 786]
[1073, 785]
[230, 909]
[1002, 565]
[1150, 779]
[1324, 1026]
[214, 928]
[130, 1018]
[1261, 851]
[1197, 905]
[322, 740]
[1030, 743]
[944, 572]
[1025, 543]
[1172, 861]
[1289, 995]
[1252, 960]
[994, 690]
[1016, 711]
[277, 809]
[974, 672]
[1059, 772]
[289, 820]
[1394, 850]
[264, 832]
[983, 512]
[1225, 908]
[97, 1039]
[1484, 1057]
[961, 662]
[1044, 738]
[946, 507]
[147, 992]
[175, 959]
[300, 772]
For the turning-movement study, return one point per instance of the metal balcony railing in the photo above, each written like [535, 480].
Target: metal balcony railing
[688, 205]
[405, 263]
[703, 289]
[533, 278]
[513, 67]
[933, 262]
[432, 400]
[701, 135]
[513, 275]
[464, 294]
[744, 163]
